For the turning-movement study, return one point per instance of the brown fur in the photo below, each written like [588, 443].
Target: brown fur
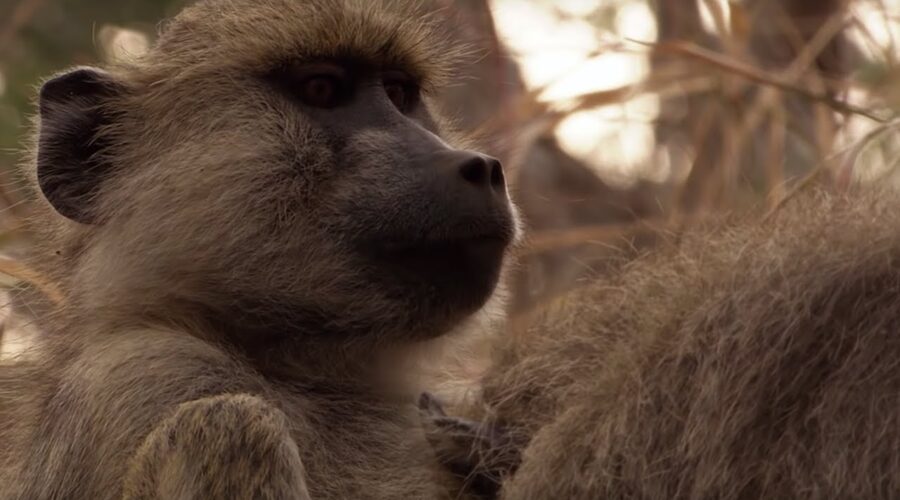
[146, 383]
[759, 361]
[212, 437]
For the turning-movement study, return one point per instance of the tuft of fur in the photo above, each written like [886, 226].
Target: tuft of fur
[758, 360]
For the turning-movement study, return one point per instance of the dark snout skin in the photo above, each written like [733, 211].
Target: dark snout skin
[435, 192]
[452, 226]
[473, 187]
[440, 219]
[460, 246]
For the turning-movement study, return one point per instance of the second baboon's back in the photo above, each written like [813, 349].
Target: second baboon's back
[752, 361]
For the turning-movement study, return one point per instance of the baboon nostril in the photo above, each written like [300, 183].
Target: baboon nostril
[475, 171]
[483, 172]
[478, 171]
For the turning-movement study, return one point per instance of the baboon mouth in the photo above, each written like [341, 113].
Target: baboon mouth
[467, 234]
[436, 244]
[462, 270]
[431, 255]
[453, 267]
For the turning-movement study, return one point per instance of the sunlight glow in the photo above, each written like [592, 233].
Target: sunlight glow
[618, 140]
[882, 26]
[122, 45]
[709, 19]
[546, 45]
[604, 72]
[578, 8]
[635, 21]
[568, 57]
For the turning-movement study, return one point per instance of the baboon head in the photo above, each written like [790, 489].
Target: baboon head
[275, 167]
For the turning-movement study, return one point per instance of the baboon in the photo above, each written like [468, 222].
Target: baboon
[754, 360]
[257, 227]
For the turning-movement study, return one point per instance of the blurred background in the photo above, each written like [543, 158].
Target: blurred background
[619, 120]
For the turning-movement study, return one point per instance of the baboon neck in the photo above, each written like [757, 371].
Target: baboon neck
[313, 360]
[324, 367]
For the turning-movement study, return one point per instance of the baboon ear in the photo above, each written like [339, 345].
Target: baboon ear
[70, 159]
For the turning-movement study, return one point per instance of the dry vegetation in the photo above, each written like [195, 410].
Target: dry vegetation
[757, 103]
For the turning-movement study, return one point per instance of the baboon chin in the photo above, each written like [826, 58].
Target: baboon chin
[242, 222]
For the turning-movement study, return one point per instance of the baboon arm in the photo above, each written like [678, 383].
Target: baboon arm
[230, 446]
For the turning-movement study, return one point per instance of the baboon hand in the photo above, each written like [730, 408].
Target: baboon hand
[233, 446]
[480, 453]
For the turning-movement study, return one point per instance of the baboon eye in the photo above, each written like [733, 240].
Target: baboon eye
[402, 91]
[321, 91]
[320, 85]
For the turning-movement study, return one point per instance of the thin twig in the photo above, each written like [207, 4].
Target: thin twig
[759, 76]
[852, 153]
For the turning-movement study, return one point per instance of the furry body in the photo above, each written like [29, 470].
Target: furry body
[77, 431]
[754, 361]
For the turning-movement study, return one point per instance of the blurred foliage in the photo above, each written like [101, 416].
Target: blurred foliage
[40, 37]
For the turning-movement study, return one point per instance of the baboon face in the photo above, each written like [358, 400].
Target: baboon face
[275, 164]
